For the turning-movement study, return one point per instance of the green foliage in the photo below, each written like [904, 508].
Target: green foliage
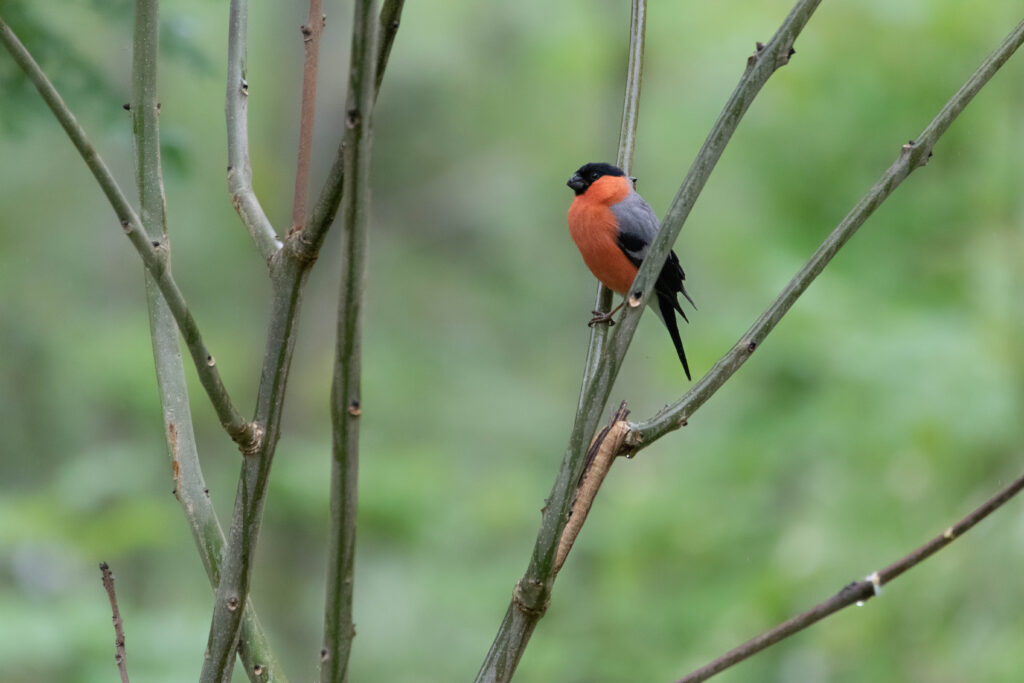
[884, 407]
[77, 76]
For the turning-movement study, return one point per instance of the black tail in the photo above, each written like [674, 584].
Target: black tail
[667, 306]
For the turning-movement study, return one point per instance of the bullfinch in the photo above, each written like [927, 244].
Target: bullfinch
[613, 227]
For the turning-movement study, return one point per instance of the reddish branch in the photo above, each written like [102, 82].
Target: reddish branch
[606, 446]
[311, 38]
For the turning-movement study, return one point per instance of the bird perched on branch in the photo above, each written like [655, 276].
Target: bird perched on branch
[613, 227]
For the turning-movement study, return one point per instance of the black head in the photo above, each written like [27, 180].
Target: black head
[587, 174]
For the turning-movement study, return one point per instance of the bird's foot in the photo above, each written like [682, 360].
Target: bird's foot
[602, 318]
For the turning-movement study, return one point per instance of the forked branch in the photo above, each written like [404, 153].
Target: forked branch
[763, 62]
[243, 197]
[912, 156]
[189, 486]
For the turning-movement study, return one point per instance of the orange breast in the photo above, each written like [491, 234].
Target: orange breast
[593, 228]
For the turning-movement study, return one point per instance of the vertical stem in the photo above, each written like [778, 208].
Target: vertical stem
[346, 402]
[145, 111]
[634, 81]
[311, 41]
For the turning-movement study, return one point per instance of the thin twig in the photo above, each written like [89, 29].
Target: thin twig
[858, 592]
[607, 350]
[912, 156]
[311, 44]
[243, 197]
[346, 398]
[154, 258]
[634, 83]
[119, 652]
[189, 486]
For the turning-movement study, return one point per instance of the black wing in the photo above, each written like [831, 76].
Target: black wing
[638, 226]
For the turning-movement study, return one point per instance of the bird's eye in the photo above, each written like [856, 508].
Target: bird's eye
[593, 175]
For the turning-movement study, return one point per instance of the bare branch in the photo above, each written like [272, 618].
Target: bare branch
[189, 485]
[912, 156]
[243, 198]
[119, 652]
[346, 398]
[311, 41]
[153, 256]
[855, 593]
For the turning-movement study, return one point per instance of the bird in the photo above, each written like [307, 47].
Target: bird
[613, 227]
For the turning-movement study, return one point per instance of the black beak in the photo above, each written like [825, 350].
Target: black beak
[577, 183]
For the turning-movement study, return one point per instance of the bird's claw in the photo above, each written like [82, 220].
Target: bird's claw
[602, 318]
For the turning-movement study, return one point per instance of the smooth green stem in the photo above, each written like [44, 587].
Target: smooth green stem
[390, 19]
[236, 104]
[634, 83]
[346, 399]
[153, 257]
[145, 113]
[911, 157]
[189, 484]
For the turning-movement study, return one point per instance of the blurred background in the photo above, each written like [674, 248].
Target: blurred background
[885, 406]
